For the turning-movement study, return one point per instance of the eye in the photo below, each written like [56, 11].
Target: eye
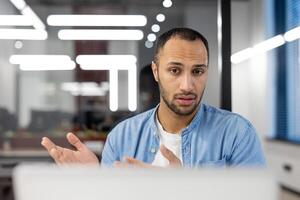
[198, 71]
[174, 70]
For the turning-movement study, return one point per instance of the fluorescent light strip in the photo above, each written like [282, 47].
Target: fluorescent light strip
[292, 35]
[70, 65]
[43, 62]
[75, 86]
[37, 23]
[89, 93]
[104, 34]
[262, 47]
[132, 89]
[36, 59]
[19, 4]
[113, 90]
[84, 89]
[23, 34]
[269, 44]
[242, 55]
[113, 63]
[105, 62]
[15, 20]
[167, 3]
[97, 20]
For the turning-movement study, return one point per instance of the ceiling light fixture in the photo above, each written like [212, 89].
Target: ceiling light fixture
[97, 20]
[103, 62]
[269, 44]
[84, 88]
[104, 34]
[23, 34]
[151, 37]
[167, 3]
[15, 20]
[19, 4]
[160, 17]
[155, 28]
[292, 34]
[37, 23]
[259, 48]
[113, 63]
[43, 62]
[148, 44]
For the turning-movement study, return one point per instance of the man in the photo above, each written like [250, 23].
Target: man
[180, 130]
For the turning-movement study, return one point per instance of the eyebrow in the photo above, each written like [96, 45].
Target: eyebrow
[180, 64]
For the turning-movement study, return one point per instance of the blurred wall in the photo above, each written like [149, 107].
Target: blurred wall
[250, 78]
[42, 90]
[7, 71]
[202, 16]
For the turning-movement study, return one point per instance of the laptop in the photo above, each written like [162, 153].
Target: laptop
[48, 182]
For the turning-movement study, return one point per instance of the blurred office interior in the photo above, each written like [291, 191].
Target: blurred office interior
[53, 80]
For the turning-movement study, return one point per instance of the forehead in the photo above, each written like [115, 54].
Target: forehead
[176, 48]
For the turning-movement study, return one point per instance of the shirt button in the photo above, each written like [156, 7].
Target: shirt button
[152, 150]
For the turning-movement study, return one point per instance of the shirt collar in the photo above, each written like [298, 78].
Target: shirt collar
[190, 127]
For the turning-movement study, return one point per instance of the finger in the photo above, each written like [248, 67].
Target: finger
[66, 156]
[48, 144]
[170, 156]
[56, 154]
[132, 161]
[117, 164]
[75, 141]
[136, 163]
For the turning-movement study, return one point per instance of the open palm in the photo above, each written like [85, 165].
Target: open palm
[82, 155]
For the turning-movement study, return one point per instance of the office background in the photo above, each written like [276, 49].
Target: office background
[265, 87]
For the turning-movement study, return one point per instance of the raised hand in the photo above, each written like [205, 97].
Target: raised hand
[63, 156]
[131, 162]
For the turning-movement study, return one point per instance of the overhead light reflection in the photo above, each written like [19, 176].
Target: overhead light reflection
[155, 28]
[43, 62]
[167, 3]
[97, 20]
[148, 44]
[15, 20]
[23, 34]
[160, 17]
[104, 62]
[19, 4]
[151, 37]
[85, 88]
[292, 35]
[103, 34]
[37, 23]
[269, 44]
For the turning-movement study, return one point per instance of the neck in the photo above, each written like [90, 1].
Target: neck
[172, 122]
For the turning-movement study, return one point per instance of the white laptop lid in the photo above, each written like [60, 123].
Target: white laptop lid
[76, 183]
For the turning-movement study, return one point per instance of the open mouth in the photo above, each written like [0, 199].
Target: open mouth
[185, 100]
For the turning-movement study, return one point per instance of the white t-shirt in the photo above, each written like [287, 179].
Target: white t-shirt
[171, 141]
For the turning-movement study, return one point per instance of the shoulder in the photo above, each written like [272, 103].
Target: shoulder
[137, 119]
[225, 117]
[134, 123]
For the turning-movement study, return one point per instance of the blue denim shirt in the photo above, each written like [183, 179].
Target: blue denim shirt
[214, 138]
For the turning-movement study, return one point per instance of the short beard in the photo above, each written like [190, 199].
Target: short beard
[173, 107]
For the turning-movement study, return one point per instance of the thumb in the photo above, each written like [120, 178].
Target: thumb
[170, 156]
[74, 140]
[132, 161]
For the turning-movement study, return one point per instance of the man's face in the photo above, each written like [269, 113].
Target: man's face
[181, 72]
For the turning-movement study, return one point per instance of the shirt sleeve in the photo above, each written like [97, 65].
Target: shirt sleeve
[247, 152]
[109, 155]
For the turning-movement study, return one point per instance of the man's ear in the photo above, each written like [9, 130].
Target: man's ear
[154, 70]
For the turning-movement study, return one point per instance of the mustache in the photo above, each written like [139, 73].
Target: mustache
[186, 95]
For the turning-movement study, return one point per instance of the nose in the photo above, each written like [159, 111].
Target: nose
[187, 83]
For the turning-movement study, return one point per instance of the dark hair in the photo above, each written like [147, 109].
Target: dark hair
[182, 33]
